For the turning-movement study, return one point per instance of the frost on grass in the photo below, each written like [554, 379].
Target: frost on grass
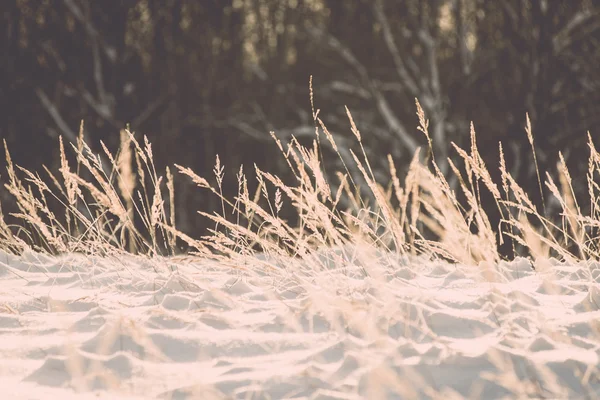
[402, 296]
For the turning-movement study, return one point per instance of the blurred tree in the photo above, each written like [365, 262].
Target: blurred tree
[201, 78]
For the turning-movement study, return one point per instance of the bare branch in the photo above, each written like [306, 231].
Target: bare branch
[340, 49]
[109, 51]
[99, 78]
[434, 75]
[394, 123]
[55, 115]
[151, 108]
[382, 104]
[564, 39]
[403, 73]
[461, 30]
[101, 109]
[348, 88]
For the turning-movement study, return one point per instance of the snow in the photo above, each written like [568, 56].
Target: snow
[374, 326]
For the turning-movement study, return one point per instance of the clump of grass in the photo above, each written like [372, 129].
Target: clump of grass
[120, 207]
[99, 211]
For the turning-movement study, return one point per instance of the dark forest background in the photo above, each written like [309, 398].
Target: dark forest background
[201, 78]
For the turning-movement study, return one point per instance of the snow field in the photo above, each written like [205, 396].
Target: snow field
[346, 325]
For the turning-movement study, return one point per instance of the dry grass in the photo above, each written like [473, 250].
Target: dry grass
[120, 207]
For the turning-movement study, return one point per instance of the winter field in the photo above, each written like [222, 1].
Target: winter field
[376, 326]
[380, 292]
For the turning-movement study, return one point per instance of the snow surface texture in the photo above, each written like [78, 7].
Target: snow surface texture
[343, 326]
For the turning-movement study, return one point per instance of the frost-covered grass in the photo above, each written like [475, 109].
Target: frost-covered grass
[402, 296]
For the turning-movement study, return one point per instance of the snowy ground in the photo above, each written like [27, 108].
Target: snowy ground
[79, 327]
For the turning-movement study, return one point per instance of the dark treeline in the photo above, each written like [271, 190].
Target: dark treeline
[201, 78]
